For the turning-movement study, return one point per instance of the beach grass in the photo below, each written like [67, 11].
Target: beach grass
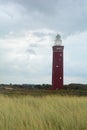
[50, 112]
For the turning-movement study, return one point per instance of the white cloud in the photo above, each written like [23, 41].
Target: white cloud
[75, 57]
[17, 59]
[28, 57]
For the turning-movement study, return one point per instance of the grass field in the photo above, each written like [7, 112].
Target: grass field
[48, 112]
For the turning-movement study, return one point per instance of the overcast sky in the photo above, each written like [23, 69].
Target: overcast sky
[27, 32]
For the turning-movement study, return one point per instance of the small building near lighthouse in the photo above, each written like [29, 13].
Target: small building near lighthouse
[57, 64]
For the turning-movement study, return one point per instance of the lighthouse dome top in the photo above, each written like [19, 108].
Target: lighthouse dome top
[58, 41]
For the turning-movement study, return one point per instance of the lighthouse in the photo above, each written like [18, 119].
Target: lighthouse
[57, 65]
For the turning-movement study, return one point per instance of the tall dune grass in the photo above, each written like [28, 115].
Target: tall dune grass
[43, 113]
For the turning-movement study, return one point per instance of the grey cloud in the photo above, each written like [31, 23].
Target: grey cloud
[31, 51]
[39, 34]
[42, 34]
[38, 5]
[33, 45]
[60, 15]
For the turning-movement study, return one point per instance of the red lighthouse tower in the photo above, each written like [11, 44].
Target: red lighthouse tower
[57, 68]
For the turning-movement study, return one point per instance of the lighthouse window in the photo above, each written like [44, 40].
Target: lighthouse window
[60, 77]
[60, 54]
[57, 66]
